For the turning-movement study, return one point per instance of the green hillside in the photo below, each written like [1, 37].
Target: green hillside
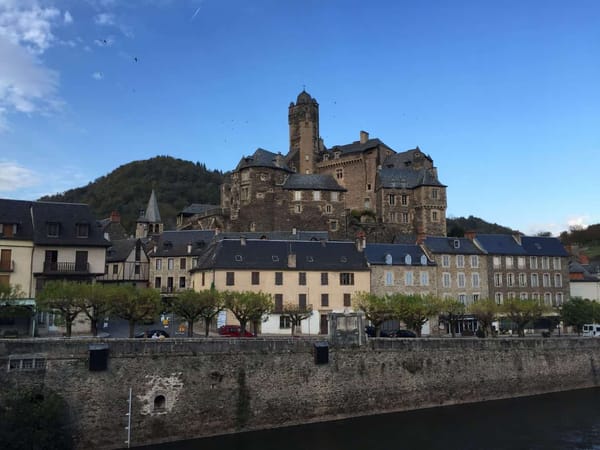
[456, 226]
[177, 183]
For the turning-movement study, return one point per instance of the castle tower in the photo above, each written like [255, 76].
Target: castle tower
[303, 119]
[149, 223]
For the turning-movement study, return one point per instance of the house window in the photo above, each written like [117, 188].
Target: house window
[115, 269]
[475, 281]
[391, 199]
[424, 278]
[389, 278]
[328, 209]
[404, 217]
[445, 260]
[533, 263]
[53, 229]
[346, 278]
[255, 277]
[408, 278]
[182, 282]
[510, 279]
[230, 278]
[474, 261]
[284, 322]
[278, 278]
[170, 264]
[157, 282]
[509, 262]
[497, 262]
[534, 280]
[203, 278]
[297, 196]
[324, 278]
[302, 301]
[297, 209]
[460, 279]
[324, 299]
[158, 264]
[404, 200]
[302, 278]
[548, 298]
[497, 279]
[556, 263]
[559, 298]
[347, 300]
[498, 298]
[339, 173]
[462, 298]
[137, 269]
[393, 217]
[522, 280]
[83, 230]
[446, 280]
[182, 263]
[523, 295]
[545, 263]
[316, 196]
[557, 280]
[521, 262]
[460, 261]
[334, 196]
[546, 280]
[333, 225]
[278, 302]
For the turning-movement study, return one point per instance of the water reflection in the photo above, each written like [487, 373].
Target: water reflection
[562, 421]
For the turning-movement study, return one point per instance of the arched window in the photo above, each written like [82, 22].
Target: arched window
[408, 260]
[159, 403]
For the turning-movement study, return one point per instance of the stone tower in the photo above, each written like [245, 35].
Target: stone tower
[149, 223]
[303, 119]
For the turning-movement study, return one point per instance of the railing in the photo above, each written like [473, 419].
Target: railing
[7, 266]
[66, 267]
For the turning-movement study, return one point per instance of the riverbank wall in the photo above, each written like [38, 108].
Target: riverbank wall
[192, 388]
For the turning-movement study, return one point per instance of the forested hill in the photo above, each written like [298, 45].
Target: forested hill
[456, 226]
[177, 184]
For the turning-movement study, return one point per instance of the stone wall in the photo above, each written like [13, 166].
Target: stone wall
[190, 388]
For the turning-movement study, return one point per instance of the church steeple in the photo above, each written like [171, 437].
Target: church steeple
[149, 223]
[303, 120]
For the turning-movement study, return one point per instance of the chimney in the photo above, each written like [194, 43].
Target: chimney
[421, 235]
[361, 242]
[364, 137]
[292, 260]
[115, 217]
[294, 231]
[517, 237]
[189, 248]
[470, 235]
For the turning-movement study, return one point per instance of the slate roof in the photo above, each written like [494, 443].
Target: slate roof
[313, 182]
[264, 158]
[299, 235]
[586, 274]
[543, 246]
[17, 211]
[377, 254]
[500, 244]
[197, 208]
[120, 250]
[447, 245]
[175, 243]
[392, 178]
[152, 213]
[355, 147]
[404, 159]
[273, 255]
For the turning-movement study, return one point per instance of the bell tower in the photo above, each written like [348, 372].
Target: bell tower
[303, 119]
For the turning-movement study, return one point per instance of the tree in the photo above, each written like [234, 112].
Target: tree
[9, 307]
[485, 311]
[96, 303]
[453, 312]
[377, 308]
[522, 312]
[248, 306]
[34, 418]
[135, 304]
[297, 314]
[192, 305]
[64, 297]
[414, 310]
[578, 311]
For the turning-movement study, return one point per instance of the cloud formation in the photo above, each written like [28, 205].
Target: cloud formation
[98, 76]
[104, 19]
[14, 176]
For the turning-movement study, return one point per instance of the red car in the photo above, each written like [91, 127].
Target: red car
[233, 331]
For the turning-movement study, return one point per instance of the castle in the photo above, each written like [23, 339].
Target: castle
[363, 187]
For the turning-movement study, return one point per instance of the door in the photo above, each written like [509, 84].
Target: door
[81, 261]
[324, 324]
[5, 260]
[50, 260]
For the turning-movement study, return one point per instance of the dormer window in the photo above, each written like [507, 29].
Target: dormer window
[408, 260]
[423, 260]
[456, 243]
[238, 258]
[52, 229]
[83, 230]
[388, 259]
[8, 229]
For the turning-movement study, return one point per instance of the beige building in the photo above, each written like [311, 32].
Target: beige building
[322, 274]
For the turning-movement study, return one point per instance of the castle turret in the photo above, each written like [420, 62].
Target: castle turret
[149, 223]
[303, 120]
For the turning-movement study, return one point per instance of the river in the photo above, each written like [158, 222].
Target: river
[561, 421]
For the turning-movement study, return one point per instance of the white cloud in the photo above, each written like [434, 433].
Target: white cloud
[68, 18]
[578, 221]
[97, 75]
[29, 27]
[104, 19]
[14, 176]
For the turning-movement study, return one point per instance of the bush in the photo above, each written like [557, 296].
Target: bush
[480, 333]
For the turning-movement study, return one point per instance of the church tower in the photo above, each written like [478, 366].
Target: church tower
[149, 223]
[303, 119]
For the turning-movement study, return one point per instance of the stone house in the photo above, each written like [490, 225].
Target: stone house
[323, 274]
[126, 263]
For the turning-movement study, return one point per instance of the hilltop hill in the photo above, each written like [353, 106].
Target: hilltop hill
[127, 189]
[456, 226]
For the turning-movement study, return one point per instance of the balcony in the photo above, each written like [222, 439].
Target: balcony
[7, 266]
[62, 267]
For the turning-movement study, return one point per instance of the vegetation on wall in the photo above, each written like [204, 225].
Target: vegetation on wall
[177, 183]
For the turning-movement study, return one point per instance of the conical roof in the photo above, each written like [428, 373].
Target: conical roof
[152, 213]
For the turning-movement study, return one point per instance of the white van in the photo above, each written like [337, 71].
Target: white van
[591, 330]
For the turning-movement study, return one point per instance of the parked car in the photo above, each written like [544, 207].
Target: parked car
[152, 334]
[370, 330]
[403, 334]
[233, 331]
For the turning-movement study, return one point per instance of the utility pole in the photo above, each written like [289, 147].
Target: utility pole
[128, 427]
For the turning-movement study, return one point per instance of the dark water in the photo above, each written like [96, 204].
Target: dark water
[567, 420]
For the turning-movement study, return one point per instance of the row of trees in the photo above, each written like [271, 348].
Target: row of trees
[415, 310]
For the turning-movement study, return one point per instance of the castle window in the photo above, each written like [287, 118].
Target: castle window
[336, 155]
[434, 216]
[263, 177]
[392, 199]
[245, 176]
[393, 216]
[339, 173]
[159, 403]
[244, 193]
[328, 209]
[316, 196]
[404, 200]
[333, 225]
[297, 196]
[334, 196]
[368, 186]
[404, 217]
[434, 194]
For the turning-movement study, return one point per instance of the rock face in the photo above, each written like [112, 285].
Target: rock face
[191, 388]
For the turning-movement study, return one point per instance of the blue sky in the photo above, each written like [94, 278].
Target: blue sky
[504, 95]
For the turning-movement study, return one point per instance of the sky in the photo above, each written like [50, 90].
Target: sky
[503, 95]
